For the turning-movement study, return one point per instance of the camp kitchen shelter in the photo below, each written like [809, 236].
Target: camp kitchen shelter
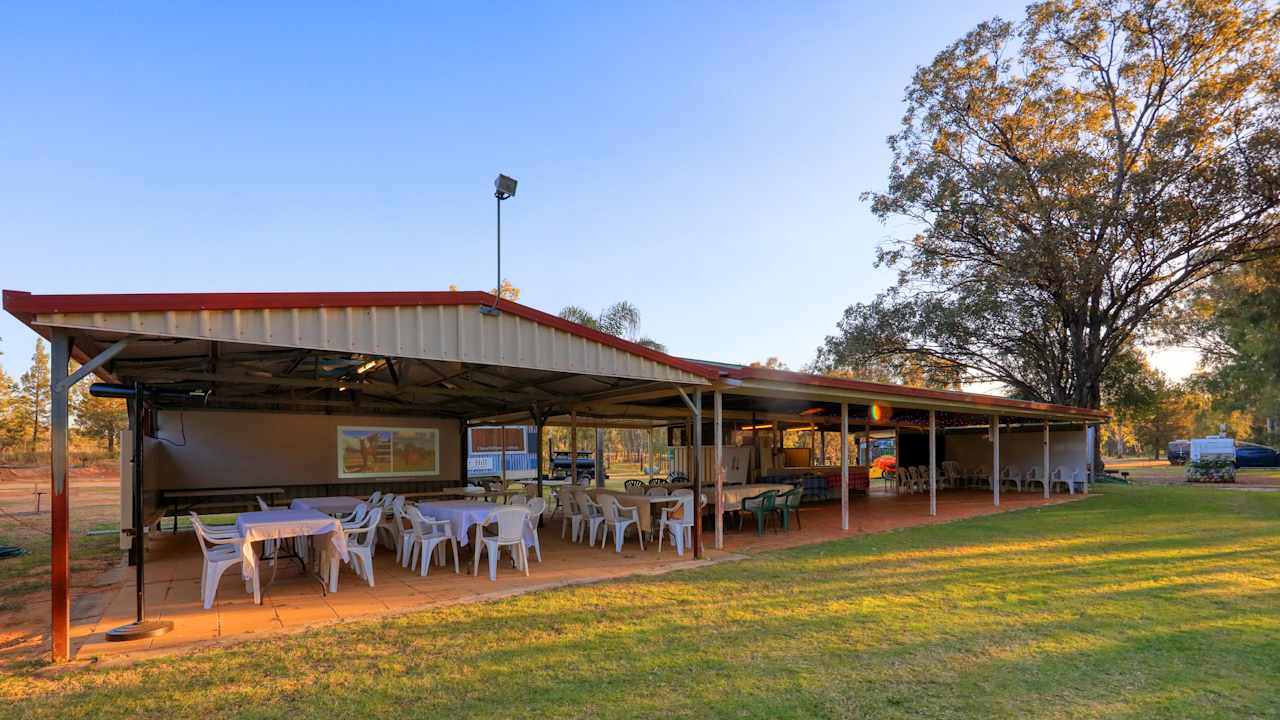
[260, 387]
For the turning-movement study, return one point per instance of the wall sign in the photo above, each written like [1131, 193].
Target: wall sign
[388, 452]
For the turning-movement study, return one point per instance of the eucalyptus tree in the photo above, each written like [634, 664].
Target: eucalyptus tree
[1069, 174]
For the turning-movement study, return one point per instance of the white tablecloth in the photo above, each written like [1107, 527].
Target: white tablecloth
[280, 524]
[462, 515]
[336, 505]
[734, 495]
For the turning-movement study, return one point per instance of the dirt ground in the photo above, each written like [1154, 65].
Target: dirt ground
[24, 580]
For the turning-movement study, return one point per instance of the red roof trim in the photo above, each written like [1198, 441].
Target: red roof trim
[25, 306]
[992, 401]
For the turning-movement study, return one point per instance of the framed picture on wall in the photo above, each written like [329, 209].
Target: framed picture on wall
[387, 452]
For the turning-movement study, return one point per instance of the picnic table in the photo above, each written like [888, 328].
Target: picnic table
[169, 497]
[647, 505]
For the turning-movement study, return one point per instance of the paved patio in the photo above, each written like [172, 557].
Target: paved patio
[294, 601]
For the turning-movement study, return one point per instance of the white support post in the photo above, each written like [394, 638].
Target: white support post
[995, 459]
[933, 463]
[502, 433]
[844, 466]
[573, 448]
[718, 419]
[698, 476]
[1089, 460]
[1046, 459]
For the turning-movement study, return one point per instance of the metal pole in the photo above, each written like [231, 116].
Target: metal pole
[717, 411]
[933, 463]
[599, 457]
[697, 477]
[60, 506]
[844, 466]
[139, 409]
[573, 447]
[502, 433]
[995, 459]
[497, 289]
[1046, 459]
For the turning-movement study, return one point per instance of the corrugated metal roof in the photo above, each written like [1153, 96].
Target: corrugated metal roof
[445, 326]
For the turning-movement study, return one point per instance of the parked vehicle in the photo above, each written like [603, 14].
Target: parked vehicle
[1178, 452]
[584, 467]
[1254, 455]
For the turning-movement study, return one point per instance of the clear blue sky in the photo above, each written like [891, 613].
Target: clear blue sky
[703, 161]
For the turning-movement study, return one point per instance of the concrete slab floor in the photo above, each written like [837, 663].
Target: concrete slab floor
[295, 601]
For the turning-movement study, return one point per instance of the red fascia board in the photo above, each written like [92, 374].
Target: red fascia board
[25, 306]
[991, 401]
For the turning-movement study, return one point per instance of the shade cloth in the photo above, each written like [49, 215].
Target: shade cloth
[280, 524]
[336, 505]
[462, 515]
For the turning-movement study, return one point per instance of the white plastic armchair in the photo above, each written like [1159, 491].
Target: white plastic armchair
[268, 546]
[537, 506]
[1059, 477]
[657, 491]
[356, 518]
[1033, 476]
[426, 539]
[618, 519]
[572, 516]
[360, 541]
[221, 550]
[375, 499]
[677, 520]
[592, 516]
[511, 521]
[1009, 475]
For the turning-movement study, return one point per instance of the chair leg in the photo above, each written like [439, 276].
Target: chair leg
[524, 558]
[493, 563]
[640, 535]
[475, 569]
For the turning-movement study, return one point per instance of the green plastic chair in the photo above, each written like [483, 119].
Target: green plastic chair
[762, 506]
[788, 506]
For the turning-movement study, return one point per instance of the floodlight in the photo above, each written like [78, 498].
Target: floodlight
[504, 187]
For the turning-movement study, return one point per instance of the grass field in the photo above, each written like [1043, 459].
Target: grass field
[1146, 602]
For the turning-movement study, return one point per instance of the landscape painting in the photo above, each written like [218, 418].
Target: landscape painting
[387, 452]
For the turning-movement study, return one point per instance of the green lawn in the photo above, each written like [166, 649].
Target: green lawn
[1148, 602]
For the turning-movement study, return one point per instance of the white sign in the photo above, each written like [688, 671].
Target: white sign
[483, 464]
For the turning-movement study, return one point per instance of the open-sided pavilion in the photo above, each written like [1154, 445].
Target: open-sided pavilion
[259, 387]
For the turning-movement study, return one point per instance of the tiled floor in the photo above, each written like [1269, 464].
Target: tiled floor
[295, 601]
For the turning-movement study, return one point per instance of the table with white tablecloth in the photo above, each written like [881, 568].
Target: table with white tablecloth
[331, 505]
[463, 514]
[281, 525]
[735, 494]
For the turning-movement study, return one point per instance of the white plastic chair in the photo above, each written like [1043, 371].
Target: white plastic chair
[391, 529]
[518, 500]
[1059, 477]
[678, 520]
[375, 498]
[511, 521]
[268, 546]
[1009, 475]
[356, 518]
[426, 537]
[657, 491]
[592, 517]
[618, 518]
[572, 516]
[360, 552]
[221, 550]
[537, 506]
[1033, 476]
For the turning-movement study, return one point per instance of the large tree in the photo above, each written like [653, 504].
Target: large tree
[621, 319]
[31, 401]
[1068, 175]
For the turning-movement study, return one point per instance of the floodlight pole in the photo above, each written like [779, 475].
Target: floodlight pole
[503, 188]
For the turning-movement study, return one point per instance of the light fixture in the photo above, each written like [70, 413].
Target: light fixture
[368, 366]
[766, 426]
[504, 187]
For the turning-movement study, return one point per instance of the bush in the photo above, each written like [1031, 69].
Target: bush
[1213, 471]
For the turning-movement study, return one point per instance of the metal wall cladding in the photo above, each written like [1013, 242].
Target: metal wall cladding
[452, 333]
